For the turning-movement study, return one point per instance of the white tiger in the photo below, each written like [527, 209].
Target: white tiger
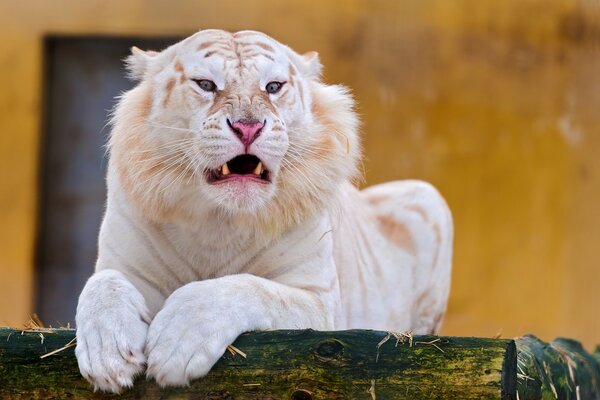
[231, 209]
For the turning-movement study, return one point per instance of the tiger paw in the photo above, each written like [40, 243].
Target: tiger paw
[112, 323]
[187, 337]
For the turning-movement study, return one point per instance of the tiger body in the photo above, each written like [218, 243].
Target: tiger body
[230, 208]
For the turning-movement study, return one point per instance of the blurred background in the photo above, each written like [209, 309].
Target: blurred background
[497, 103]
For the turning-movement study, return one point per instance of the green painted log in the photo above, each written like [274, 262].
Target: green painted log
[561, 369]
[297, 365]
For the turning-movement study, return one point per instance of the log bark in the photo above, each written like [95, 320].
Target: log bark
[561, 369]
[297, 365]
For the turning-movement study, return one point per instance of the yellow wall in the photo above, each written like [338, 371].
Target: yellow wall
[495, 102]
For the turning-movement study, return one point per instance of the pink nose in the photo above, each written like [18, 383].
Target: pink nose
[247, 131]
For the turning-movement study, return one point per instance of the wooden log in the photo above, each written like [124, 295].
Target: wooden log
[296, 365]
[561, 369]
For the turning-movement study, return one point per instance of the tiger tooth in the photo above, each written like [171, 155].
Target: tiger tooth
[225, 169]
[259, 169]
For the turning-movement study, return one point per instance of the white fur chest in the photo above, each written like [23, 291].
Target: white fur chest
[164, 257]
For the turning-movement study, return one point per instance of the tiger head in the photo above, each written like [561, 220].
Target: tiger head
[232, 123]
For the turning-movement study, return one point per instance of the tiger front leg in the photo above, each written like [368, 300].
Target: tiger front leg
[112, 323]
[199, 320]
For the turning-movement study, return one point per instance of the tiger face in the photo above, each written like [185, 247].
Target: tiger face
[232, 122]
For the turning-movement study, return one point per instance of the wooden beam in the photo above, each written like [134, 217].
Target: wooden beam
[297, 365]
[561, 369]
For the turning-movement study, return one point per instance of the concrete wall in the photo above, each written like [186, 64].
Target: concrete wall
[495, 102]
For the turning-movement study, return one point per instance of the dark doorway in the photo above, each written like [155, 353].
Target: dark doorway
[83, 77]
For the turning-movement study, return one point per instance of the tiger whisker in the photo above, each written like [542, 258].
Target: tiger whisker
[157, 125]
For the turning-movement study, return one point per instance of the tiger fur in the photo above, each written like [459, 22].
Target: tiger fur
[195, 248]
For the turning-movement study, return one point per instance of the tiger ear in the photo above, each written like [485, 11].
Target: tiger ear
[313, 64]
[137, 63]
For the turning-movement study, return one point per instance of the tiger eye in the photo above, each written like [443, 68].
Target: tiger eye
[273, 87]
[206, 85]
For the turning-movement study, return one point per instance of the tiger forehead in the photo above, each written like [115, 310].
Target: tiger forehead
[237, 46]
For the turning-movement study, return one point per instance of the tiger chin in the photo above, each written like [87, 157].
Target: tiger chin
[231, 208]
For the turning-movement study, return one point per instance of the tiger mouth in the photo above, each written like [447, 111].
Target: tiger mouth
[242, 167]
